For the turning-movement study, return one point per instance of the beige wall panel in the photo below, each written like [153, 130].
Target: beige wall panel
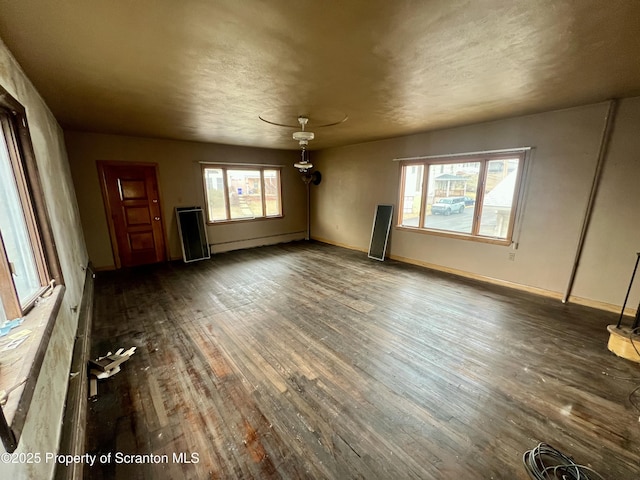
[562, 164]
[180, 185]
[613, 239]
[42, 427]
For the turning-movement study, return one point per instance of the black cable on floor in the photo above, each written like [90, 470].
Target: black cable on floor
[546, 463]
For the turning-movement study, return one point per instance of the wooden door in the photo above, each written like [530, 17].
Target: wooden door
[132, 204]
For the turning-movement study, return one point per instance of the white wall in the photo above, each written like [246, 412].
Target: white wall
[43, 423]
[561, 170]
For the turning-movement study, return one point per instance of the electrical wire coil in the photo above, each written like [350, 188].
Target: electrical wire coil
[547, 463]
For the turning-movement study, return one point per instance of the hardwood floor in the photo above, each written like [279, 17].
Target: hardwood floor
[306, 360]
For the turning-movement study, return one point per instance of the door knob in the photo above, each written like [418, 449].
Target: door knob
[156, 218]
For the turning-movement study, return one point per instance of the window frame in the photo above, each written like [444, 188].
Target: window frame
[225, 167]
[484, 158]
[14, 128]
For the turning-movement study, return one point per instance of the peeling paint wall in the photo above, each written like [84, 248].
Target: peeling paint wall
[43, 424]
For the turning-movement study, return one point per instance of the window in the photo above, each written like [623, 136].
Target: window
[28, 265]
[472, 197]
[240, 192]
[24, 271]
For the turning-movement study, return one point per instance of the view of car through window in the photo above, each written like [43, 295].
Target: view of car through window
[472, 197]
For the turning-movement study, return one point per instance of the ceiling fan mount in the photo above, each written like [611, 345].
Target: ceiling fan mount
[303, 137]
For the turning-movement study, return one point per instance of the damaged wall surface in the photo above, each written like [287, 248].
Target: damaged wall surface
[43, 423]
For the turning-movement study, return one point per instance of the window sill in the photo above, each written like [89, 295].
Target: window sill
[20, 366]
[244, 220]
[460, 236]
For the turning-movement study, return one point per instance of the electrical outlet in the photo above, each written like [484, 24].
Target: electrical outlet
[512, 256]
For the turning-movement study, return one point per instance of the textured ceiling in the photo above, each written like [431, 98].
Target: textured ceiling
[206, 70]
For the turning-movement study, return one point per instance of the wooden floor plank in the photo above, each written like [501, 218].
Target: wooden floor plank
[307, 360]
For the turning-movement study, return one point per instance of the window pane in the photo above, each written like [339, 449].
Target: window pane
[214, 188]
[412, 188]
[15, 234]
[272, 192]
[245, 194]
[499, 192]
[451, 196]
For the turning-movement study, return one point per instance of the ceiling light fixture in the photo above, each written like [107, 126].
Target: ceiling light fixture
[304, 165]
[322, 117]
[303, 137]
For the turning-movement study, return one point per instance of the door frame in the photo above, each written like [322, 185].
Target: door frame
[101, 164]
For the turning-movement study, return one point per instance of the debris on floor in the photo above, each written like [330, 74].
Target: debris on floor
[7, 325]
[14, 340]
[107, 366]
